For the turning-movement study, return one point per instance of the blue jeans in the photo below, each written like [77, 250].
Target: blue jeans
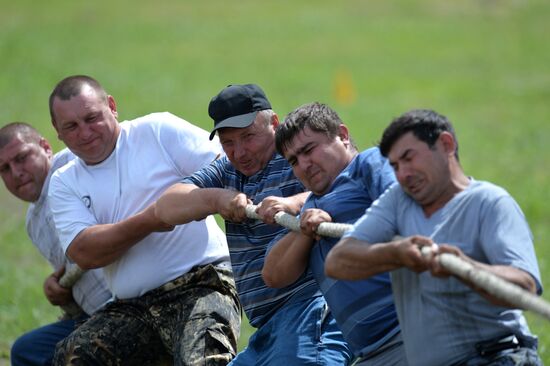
[38, 346]
[302, 333]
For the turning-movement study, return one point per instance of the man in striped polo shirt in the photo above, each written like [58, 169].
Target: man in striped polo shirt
[294, 324]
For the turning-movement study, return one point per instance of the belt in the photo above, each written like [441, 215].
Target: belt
[493, 346]
[223, 264]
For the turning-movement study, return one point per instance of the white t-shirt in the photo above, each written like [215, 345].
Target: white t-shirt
[152, 153]
[90, 292]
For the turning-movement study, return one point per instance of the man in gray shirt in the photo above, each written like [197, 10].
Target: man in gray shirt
[436, 202]
[26, 165]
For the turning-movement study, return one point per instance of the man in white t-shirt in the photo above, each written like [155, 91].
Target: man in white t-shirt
[173, 286]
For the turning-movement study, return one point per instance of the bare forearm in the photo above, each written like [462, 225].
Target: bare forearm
[100, 245]
[287, 260]
[183, 203]
[352, 259]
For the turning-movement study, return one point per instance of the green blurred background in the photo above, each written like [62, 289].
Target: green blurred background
[484, 64]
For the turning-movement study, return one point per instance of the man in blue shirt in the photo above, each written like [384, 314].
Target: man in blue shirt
[435, 202]
[294, 324]
[344, 183]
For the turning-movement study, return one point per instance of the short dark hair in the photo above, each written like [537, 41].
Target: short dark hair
[317, 116]
[72, 86]
[27, 132]
[425, 124]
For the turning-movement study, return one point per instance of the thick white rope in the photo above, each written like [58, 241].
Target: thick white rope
[494, 285]
[70, 277]
[282, 218]
[489, 282]
[330, 229]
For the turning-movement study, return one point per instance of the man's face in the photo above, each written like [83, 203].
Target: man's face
[87, 124]
[317, 160]
[24, 167]
[422, 172]
[250, 149]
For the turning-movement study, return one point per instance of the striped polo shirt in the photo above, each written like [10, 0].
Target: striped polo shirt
[249, 240]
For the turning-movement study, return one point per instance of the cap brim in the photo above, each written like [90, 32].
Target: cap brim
[240, 121]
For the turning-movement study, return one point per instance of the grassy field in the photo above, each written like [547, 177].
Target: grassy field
[485, 64]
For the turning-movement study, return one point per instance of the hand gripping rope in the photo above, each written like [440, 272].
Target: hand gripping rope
[494, 285]
[70, 277]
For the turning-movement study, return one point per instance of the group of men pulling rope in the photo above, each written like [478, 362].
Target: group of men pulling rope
[388, 249]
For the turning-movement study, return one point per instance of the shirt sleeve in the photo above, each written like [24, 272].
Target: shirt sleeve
[378, 175]
[506, 238]
[379, 223]
[187, 145]
[210, 176]
[70, 214]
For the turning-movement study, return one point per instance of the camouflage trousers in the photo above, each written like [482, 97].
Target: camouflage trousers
[194, 319]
